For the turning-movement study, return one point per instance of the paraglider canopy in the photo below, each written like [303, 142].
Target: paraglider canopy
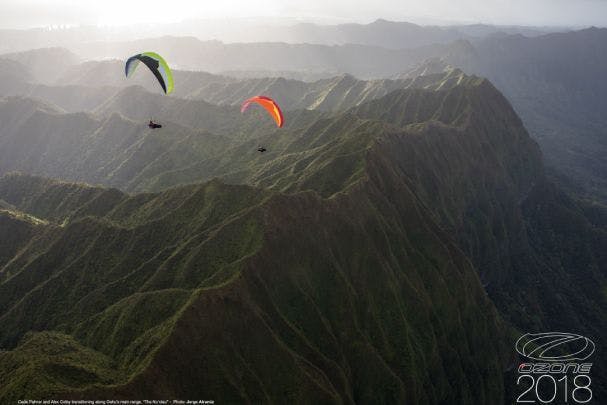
[156, 64]
[270, 106]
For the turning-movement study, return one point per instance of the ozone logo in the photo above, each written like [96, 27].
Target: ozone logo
[555, 346]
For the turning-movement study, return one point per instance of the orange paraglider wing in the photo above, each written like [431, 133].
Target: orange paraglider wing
[270, 105]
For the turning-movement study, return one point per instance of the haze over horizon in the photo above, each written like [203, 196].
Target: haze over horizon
[383, 202]
[20, 14]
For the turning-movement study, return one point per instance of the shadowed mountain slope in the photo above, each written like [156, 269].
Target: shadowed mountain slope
[372, 258]
[556, 83]
[242, 285]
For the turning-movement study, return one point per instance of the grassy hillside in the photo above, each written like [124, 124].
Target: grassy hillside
[386, 254]
[147, 287]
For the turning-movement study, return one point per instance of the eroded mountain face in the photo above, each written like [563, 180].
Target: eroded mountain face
[382, 251]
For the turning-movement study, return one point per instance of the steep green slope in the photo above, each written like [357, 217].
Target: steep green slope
[48, 363]
[556, 84]
[112, 287]
[394, 239]
[288, 294]
[539, 253]
[307, 312]
[16, 229]
[294, 278]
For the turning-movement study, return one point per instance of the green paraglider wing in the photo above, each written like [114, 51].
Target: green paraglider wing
[156, 64]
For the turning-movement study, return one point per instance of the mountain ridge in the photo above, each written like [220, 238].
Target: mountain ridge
[398, 244]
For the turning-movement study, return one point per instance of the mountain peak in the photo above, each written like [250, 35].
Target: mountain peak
[389, 23]
[430, 66]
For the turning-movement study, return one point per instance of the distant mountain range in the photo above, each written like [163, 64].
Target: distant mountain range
[384, 33]
[389, 34]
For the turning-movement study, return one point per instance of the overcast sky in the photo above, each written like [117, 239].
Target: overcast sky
[29, 13]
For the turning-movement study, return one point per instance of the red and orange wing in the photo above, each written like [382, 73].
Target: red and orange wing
[270, 106]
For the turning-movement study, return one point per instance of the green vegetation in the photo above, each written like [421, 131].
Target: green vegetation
[349, 268]
[47, 363]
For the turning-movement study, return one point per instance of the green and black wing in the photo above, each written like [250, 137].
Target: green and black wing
[156, 64]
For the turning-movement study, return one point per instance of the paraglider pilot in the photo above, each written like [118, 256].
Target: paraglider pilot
[153, 125]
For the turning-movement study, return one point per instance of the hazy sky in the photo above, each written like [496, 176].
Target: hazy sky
[27, 13]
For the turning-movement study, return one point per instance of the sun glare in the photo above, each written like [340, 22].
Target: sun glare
[120, 13]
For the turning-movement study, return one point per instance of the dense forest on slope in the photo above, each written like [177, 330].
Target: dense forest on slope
[387, 251]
